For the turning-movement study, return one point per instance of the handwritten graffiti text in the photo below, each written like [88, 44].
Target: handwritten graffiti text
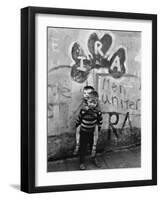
[98, 58]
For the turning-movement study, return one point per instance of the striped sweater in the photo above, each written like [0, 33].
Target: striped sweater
[88, 119]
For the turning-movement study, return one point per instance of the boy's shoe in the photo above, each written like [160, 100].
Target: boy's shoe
[82, 167]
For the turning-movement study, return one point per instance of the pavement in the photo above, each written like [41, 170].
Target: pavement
[127, 158]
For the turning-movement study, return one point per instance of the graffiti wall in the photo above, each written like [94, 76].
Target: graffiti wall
[110, 61]
[120, 96]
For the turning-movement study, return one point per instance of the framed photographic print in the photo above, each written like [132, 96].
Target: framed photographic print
[88, 99]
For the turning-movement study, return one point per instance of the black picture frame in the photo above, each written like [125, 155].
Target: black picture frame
[28, 91]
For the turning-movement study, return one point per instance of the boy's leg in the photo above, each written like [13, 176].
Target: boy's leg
[91, 141]
[94, 159]
[83, 146]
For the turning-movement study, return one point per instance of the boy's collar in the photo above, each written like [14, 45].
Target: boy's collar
[94, 109]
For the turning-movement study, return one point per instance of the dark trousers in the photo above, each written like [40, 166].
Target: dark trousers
[86, 138]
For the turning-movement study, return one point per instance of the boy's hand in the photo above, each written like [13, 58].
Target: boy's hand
[76, 149]
[93, 154]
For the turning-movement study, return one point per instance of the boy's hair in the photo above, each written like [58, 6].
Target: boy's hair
[88, 87]
[93, 95]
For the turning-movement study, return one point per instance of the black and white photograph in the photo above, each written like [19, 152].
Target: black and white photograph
[94, 99]
[91, 89]
[79, 93]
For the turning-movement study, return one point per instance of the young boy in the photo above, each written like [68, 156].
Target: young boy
[89, 120]
[86, 92]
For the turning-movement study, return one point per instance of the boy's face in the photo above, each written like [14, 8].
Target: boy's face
[92, 103]
[86, 93]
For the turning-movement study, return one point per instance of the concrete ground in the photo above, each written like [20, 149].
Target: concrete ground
[129, 158]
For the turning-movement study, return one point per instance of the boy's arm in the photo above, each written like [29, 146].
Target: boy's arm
[77, 140]
[77, 135]
[96, 131]
[78, 123]
[95, 139]
[99, 120]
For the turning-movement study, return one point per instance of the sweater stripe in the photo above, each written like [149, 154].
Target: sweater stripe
[88, 119]
[88, 122]
[88, 126]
